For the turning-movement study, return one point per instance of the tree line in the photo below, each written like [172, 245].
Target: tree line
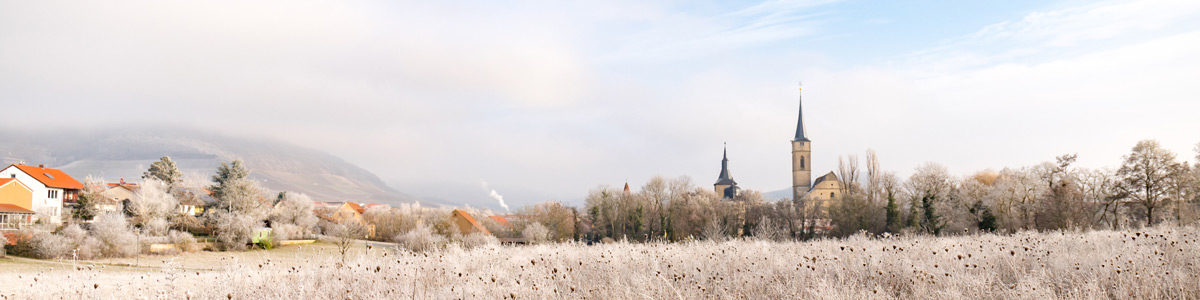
[1150, 186]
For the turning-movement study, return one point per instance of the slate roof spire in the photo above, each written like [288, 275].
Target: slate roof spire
[801, 136]
[725, 178]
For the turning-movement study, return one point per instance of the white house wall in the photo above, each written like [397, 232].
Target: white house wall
[52, 207]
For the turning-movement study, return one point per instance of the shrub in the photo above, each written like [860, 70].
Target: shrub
[536, 233]
[233, 231]
[3, 243]
[19, 243]
[88, 247]
[85, 246]
[420, 239]
[478, 239]
[157, 227]
[51, 246]
[283, 232]
[184, 241]
[116, 237]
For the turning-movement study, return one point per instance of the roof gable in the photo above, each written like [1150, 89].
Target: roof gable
[54, 178]
[356, 207]
[6, 181]
[471, 220]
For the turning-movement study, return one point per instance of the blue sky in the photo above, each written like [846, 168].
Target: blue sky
[544, 100]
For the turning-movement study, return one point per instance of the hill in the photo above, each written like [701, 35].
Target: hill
[117, 154]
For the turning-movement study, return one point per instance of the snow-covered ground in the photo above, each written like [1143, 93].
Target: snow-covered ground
[1134, 264]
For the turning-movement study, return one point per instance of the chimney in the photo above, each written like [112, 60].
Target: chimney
[122, 181]
[42, 166]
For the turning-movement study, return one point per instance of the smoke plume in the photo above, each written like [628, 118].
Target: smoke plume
[496, 196]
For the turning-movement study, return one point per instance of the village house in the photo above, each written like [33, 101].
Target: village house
[52, 189]
[115, 195]
[339, 211]
[193, 200]
[16, 203]
[465, 223]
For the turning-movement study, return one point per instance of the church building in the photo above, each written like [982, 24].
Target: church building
[826, 187]
[725, 185]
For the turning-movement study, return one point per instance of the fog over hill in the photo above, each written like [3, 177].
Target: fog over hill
[116, 154]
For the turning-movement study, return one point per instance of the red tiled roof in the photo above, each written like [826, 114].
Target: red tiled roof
[502, 221]
[356, 207]
[13, 209]
[54, 178]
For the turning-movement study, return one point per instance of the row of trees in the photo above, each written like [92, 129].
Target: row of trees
[1150, 186]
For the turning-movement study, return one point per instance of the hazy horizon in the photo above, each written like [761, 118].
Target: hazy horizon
[544, 101]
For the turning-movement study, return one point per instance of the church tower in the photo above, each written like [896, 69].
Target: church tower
[725, 185]
[801, 158]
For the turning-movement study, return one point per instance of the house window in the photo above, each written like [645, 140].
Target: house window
[831, 195]
[14, 175]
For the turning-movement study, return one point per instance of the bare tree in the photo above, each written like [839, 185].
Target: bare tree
[345, 234]
[874, 177]
[1147, 176]
[848, 173]
[1099, 187]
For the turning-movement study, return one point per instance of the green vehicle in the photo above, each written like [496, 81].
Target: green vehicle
[262, 237]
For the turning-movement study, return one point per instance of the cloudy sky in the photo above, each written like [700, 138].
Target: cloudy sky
[543, 100]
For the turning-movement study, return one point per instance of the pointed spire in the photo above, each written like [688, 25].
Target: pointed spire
[725, 178]
[801, 135]
[725, 153]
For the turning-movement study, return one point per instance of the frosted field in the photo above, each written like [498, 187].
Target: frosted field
[1144, 264]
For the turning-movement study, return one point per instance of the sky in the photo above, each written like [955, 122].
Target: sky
[545, 100]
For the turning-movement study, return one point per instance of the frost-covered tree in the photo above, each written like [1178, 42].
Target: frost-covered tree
[153, 201]
[116, 236]
[233, 231]
[244, 196]
[420, 239]
[345, 234]
[536, 233]
[85, 208]
[228, 175]
[84, 246]
[478, 239]
[1147, 176]
[50, 246]
[930, 187]
[296, 210]
[164, 170]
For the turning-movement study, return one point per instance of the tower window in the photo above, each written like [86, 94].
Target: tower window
[831, 195]
[801, 162]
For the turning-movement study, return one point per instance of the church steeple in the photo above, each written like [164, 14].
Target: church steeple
[725, 178]
[725, 185]
[801, 135]
[801, 158]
